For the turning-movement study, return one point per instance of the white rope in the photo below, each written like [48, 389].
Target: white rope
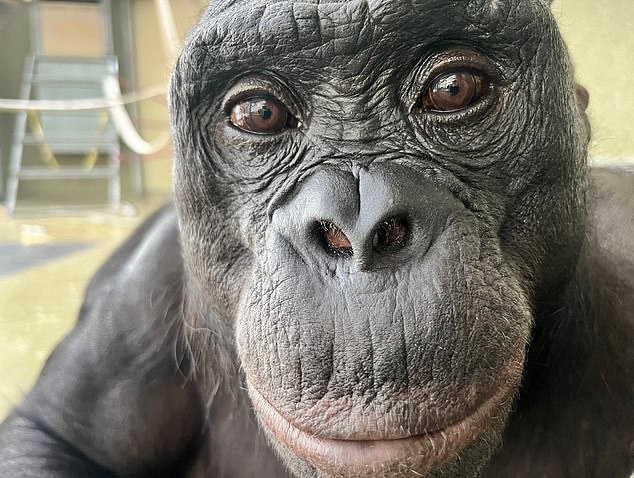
[171, 42]
[84, 104]
[123, 123]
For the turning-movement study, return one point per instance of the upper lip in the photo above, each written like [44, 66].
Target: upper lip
[339, 457]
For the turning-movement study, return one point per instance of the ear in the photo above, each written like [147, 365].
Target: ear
[583, 97]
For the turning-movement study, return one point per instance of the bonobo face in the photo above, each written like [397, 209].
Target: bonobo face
[377, 195]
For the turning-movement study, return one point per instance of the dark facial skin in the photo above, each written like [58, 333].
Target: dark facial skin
[368, 361]
[387, 255]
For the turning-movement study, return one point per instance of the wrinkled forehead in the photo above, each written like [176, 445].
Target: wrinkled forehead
[322, 29]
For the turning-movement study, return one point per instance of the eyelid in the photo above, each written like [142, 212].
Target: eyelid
[463, 60]
[244, 95]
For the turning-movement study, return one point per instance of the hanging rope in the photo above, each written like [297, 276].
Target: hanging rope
[123, 123]
[171, 42]
[79, 105]
[114, 101]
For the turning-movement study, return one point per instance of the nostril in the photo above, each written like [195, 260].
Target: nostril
[334, 239]
[390, 235]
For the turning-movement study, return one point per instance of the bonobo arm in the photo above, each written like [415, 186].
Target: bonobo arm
[113, 398]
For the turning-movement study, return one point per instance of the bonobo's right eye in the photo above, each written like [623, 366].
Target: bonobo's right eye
[261, 115]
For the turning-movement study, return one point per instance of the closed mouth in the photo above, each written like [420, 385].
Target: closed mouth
[336, 457]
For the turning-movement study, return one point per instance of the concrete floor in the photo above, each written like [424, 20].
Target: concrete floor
[44, 266]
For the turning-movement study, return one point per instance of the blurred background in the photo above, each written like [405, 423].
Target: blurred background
[85, 152]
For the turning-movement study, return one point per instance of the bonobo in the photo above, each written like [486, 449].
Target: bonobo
[387, 258]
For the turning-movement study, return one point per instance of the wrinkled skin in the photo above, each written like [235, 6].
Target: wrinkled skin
[225, 339]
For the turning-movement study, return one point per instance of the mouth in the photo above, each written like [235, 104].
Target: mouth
[361, 458]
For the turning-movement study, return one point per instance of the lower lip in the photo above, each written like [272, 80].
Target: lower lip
[365, 457]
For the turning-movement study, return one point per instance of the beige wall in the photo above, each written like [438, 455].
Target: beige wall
[600, 34]
[75, 30]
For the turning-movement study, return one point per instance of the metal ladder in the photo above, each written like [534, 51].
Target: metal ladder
[82, 138]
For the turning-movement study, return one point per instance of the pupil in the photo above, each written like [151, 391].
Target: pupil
[453, 89]
[264, 112]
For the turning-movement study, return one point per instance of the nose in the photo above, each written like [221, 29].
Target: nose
[367, 216]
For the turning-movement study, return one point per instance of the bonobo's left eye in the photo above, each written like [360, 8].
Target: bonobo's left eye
[455, 91]
[261, 115]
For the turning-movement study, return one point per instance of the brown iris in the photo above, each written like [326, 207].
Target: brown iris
[455, 91]
[260, 115]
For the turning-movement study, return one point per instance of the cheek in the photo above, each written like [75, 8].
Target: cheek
[254, 158]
